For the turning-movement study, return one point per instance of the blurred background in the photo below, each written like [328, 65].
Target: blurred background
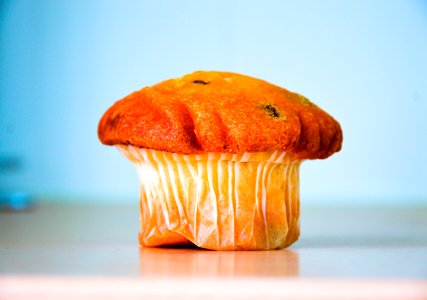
[63, 63]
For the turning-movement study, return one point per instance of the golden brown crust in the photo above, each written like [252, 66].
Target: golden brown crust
[221, 112]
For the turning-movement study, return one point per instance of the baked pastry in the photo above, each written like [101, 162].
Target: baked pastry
[218, 158]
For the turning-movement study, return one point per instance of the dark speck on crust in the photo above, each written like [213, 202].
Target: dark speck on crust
[272, 111]
[200, 82]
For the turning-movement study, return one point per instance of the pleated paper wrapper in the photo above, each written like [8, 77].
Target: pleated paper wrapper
[217, 201]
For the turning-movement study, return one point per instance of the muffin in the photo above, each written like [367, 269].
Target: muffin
[218, 157]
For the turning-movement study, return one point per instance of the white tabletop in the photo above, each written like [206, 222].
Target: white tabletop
[91, 251]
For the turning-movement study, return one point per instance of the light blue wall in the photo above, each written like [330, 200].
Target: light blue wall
[64, 62]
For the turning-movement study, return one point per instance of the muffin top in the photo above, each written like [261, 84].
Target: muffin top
[221, 112]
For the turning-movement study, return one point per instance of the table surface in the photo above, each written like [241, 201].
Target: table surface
[91, 251]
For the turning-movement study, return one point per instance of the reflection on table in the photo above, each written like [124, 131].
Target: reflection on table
[194, 262]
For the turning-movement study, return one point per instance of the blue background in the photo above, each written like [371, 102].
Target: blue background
[63, 63]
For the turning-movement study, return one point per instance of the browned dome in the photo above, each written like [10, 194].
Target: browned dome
[221, 112]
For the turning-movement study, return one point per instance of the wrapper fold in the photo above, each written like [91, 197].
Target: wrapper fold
[217, 201]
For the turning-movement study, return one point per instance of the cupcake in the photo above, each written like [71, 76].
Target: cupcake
[218, 157]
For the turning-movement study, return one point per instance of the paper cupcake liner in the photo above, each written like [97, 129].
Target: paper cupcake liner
[217, 201]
